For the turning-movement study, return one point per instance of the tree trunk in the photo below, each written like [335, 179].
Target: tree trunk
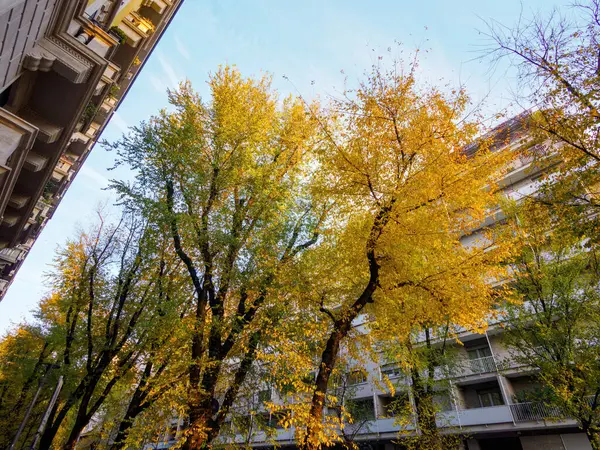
[81, 421]
[430, 437]
[328, 360]
[197, 434]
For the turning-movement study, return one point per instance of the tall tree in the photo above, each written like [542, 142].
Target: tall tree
[554, 326]
[228, 178]
[162, 367]
[105, 293]
[558, 62]
[25, 367]
[403, 195]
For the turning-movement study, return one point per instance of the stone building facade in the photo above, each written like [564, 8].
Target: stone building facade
[64, 67]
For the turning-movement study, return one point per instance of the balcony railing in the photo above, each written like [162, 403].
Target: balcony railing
[11, 255]
[525, 412]
[486, 364]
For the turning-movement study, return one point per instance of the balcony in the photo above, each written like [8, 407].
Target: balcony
[483, 416]
[157, 5]
[135, 29]
[106, 107]
[92, 130]
[533, 411]
[40, 212]
[18, 201]
[11, 255]
[79, 143]
[476, 366]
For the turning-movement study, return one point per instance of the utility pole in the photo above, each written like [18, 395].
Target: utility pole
[31, 405]
[42, 426]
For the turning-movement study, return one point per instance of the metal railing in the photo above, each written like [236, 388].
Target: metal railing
[525, 412]
[476, 366]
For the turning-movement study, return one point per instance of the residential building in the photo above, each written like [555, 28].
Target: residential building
[64, 67]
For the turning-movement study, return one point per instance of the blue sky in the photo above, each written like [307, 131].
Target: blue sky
[310, 42]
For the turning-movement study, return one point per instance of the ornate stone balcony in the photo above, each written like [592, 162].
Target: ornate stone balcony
[159, 6]
[136, 28]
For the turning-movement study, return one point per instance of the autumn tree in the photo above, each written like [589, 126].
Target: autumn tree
[229, 179]
[25, 369]
[403, 193]
[108, 291]
[554, 325]
[558, 66]
[162, 367]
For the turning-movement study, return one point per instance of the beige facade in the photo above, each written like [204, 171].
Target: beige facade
[64, 67]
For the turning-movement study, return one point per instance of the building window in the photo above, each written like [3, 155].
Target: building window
[356, 377]
[480, 352]
[391, 371]
[278, 418]
[396, 406]
[264, 395]
[361, 410]
[442, 401]
[490, 397]
[480, 360]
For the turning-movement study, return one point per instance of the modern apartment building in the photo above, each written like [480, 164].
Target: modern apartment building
[64, 67]
[482, 397]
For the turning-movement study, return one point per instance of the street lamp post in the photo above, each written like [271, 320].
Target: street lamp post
[42, 427]
[41, 384]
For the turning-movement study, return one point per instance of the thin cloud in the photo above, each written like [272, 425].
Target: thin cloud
[118, 121]
[159, 85]
[169, 71]
[182, 49]
[93, 175]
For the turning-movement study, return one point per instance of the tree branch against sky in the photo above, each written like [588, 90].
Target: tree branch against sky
[557, 60]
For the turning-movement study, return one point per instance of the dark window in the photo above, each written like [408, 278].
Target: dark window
[5, 96]
[391, 370]
[277, 418]
[396, 406]
[361, 409]
[264, 395]
[490, 397]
